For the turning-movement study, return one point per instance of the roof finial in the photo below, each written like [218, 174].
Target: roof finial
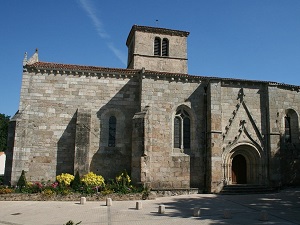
[34, 58]
[156, 23]
[25, 59]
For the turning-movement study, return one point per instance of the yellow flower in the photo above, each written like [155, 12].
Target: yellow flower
[92, 179]
[65, 179]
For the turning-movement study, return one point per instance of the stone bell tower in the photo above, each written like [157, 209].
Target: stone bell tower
[157, 49]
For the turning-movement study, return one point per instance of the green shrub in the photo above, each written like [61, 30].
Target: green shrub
[65, 191]
[122, 184]
[22, 183]
[123, 179]
[107, 191]
[76, 183]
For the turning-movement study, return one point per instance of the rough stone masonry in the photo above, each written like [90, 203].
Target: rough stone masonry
[168, 129]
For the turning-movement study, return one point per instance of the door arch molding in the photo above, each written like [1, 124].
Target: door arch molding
[255, 171]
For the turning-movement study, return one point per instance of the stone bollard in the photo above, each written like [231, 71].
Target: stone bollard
[227, 214]
[263, 215]
[108, 202]
[82, 200]
[196, 212]
[161, 209]
[138, 205]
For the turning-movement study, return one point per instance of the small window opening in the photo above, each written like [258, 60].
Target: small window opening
[112, 131]
[287, 126]
[165, 47]
[157, 46]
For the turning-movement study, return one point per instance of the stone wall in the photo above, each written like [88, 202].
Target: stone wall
[285, 163]
[47, 127]
[170, 167]
[63, 126]
[143, 53]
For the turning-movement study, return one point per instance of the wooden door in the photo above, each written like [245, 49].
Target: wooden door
[239, 170]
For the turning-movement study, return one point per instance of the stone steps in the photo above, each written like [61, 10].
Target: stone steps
[237, 189]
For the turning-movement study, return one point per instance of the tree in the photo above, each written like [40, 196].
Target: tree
[4, 120]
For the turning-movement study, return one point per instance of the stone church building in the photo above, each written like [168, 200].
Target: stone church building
[168, 129]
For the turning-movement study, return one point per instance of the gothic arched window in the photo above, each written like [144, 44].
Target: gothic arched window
[182, 130]
[112, 124]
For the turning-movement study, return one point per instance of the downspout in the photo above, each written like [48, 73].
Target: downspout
[267, 137]
[205, 136]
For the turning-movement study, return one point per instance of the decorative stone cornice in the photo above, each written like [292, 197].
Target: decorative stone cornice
[156, 30]
[80, 70]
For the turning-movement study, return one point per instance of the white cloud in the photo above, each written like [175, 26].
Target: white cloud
[118, 53]
[88, 7]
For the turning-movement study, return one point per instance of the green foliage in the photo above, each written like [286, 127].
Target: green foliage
[145, 193]
[122, 184]
[4, 121]
[76, 183]
[65, 191]
[48, 192]
[123, 179]
[67, 184]
[35, 187]
[22, 183]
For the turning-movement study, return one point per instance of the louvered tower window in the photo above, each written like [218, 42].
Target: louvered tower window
[157, 46]
[165, 47]
[112, 131]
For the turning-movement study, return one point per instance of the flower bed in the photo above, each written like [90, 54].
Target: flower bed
[72, 197]
[67, 187]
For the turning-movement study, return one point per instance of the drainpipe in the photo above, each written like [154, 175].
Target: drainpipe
[205, 137]
[267, 136]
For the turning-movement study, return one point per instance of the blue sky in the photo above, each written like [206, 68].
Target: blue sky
[247, 39]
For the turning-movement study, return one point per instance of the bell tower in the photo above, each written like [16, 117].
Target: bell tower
[157, 49]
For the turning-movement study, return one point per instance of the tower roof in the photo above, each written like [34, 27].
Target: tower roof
[156, 30]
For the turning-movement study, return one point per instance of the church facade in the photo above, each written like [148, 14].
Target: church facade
[168, 129]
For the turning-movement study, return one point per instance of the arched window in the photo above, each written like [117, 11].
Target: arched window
[291, 126]
[287, 129]
[157, 46]
[165, 47]
[112, 131]
[182, 130]
[177, 132]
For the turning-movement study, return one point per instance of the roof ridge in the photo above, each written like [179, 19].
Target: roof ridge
[84, 68]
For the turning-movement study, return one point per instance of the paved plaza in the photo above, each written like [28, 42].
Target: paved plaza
[277, 208]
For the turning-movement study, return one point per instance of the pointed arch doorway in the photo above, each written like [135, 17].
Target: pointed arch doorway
[239, 170]
[243, 164]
